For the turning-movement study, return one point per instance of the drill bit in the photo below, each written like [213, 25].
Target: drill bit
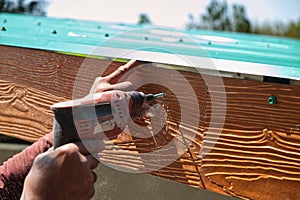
[151, 97]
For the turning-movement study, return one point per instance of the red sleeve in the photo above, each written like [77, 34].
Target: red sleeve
[14, 170]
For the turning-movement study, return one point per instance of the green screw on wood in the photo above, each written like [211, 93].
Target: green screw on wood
[272, 100]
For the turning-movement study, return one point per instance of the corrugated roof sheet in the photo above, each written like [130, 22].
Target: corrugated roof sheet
[233, 52]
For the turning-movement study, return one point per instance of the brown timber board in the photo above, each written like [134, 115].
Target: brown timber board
[256, 156]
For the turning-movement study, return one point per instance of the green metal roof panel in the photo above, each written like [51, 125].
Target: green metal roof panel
[234, 52]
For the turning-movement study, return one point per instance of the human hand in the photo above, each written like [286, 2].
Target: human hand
[66, 172]
[63, 173]
[109, 82]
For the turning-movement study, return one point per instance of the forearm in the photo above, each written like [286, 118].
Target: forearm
[14, 170]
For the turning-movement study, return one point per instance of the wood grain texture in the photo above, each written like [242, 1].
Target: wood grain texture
[25, 111]
[259, 145]
[253, 155]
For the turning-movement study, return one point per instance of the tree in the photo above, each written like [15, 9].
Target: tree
[216, 17]
[265, 28]
[278, 28]
[293, 29]
[240, 21]
[35, 7]
[192, 24]
[144, 19]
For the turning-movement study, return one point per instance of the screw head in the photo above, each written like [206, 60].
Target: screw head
[272, 100]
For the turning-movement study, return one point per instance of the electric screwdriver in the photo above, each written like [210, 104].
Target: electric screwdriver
[96, 116]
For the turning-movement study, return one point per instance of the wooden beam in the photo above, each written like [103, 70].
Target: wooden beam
[251, 156]
[25, 111]
[258, 150]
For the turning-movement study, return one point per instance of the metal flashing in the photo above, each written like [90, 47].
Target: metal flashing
[229, 52]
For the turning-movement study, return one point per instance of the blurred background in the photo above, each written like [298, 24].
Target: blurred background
[270, 17]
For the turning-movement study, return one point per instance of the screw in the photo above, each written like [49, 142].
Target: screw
[106, 35]
[272, 100]
[54, 32]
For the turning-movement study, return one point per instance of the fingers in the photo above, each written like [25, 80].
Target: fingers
[66, 148]
[110, 82]
[122, 86]
[102, 87]
[120, 71]
[51, 149]
[123, 72]
[90, 148]
[106, 87]
[93, 162]
[87, 147]
[94, 176]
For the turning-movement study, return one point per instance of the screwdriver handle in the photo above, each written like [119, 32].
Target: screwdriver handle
[64, 130]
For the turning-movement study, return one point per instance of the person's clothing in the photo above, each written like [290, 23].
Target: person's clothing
[14, 171]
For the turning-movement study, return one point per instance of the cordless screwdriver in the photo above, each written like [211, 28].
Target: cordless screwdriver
[99, 115]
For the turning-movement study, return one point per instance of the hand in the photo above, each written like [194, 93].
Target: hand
[109, 82]
[63, 173]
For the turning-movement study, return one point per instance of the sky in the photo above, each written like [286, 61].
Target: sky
[167, 13]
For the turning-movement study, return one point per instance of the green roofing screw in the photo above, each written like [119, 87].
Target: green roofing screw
[272, 100]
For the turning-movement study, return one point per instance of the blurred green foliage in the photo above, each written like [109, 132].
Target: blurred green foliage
[144, 19]
[219, 16]
[216, 17]
[290, 29]
[35, 7]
